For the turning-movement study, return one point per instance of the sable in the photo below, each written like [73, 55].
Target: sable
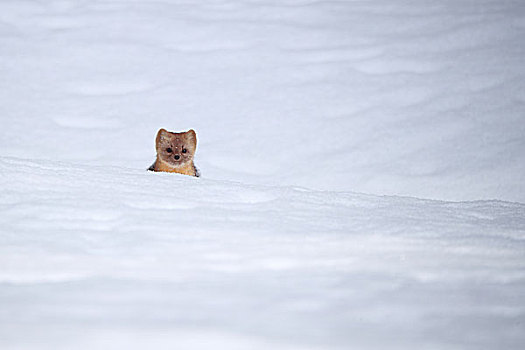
[175, 152]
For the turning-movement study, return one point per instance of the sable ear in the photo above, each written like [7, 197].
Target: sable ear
[191, 136]
[162, 135]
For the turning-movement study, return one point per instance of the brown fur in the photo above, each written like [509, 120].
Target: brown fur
[172, 144]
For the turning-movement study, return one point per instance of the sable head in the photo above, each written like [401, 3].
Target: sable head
[176, 148]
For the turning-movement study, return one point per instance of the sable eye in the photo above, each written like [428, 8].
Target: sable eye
[169, 150]
[184, 150]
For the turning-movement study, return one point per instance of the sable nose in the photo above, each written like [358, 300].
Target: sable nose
[176, 157]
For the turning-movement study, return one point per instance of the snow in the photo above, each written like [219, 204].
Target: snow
[362, 171]
[109, 256]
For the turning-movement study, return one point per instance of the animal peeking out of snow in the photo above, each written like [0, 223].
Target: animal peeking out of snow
[175, 152]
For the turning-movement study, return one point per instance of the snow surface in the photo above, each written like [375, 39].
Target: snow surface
[301, 107]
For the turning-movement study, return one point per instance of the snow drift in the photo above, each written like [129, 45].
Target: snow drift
[114, 257]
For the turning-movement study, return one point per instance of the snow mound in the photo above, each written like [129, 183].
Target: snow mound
[123, 258]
